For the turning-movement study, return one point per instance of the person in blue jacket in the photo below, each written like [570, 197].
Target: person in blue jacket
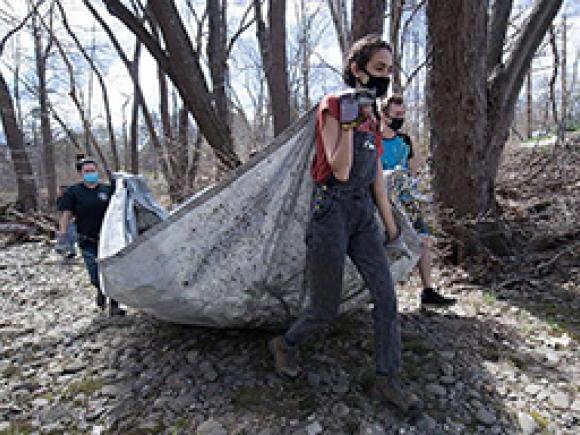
[398, 153]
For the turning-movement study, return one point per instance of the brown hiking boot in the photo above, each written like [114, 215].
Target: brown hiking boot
[285, 357]
[388, 389]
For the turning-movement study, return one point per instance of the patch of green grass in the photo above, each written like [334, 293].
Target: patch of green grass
[559, 317]
[17, 428]
[518, 361]
[87, 386]
[540, 421]
[492, 354]
[489, 298]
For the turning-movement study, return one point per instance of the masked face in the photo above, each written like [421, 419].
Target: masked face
[397, 123]
[375, 74]
[91, 177]
[379, 84]
[89, 173]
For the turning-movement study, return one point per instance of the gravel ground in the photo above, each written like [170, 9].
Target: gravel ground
[503, 360]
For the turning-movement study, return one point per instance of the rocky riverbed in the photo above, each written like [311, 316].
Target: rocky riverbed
[485, 366]
[504, 360]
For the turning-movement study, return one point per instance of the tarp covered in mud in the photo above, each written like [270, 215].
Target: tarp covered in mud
[232, 256]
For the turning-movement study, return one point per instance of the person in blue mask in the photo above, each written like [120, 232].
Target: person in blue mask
[398, 153]
[87, 201]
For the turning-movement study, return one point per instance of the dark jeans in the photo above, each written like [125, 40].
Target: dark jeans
[90, 258]
[340, 226]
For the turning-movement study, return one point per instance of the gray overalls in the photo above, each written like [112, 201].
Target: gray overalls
[343, 222]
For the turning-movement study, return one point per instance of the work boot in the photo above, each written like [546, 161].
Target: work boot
[285, 357]
[115, 310]
[100, 299]
[388, 389]
[431, 297]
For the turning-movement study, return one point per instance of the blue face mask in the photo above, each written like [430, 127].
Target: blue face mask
[91, 177]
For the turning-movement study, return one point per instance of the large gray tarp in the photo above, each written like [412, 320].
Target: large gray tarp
[233, 255]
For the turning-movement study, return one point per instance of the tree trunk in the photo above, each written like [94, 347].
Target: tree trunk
[272, 42]
[394, 30]
[216, 53]
[368, 16]
[457, 101]
[472, 102]
[529, 103]
[41, 55]
[27, 195]
[135, 114]
[564, 91]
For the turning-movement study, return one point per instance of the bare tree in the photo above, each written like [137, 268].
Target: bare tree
[472, 97]
[101, 80]
[26, 188]
[396, 11]
[134, 136]
[272, 42]
[42, 53]
[181, 64]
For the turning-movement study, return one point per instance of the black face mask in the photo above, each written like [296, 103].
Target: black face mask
[396, 123]
[379, 84]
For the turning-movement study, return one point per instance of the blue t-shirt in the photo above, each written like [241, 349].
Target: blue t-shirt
[395, 153]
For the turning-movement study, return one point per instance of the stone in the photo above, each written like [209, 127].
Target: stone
[341, 386]
[486, 417]
[533, 389]
[436, 390]
[97, 430]
[340, 410]
[527, 424]
[447, 380]
[426, 423]
[371, 429]
[575, 407]
[313, 428]
[446, 368]
[560, 400]
[552, 358]
[208, 372]
[192, 356]
[73, 368]
[211, 427]
[39, 403]
[314, 379]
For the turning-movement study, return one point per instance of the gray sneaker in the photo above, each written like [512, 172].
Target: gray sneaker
[388, 389]
[285, 357]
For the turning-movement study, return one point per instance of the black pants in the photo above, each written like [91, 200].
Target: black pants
[341, 225]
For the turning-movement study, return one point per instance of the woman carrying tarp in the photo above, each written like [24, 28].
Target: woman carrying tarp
[348, 186]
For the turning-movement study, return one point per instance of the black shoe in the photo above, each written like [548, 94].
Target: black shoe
[100, 299]
[115, 310]
[431, 297]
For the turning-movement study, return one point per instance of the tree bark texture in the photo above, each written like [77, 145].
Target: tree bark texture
[41, 55]
[472, 96]
[27, 194]
[272, 42]
[368, 16]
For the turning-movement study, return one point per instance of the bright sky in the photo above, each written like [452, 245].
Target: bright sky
[119, 83]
